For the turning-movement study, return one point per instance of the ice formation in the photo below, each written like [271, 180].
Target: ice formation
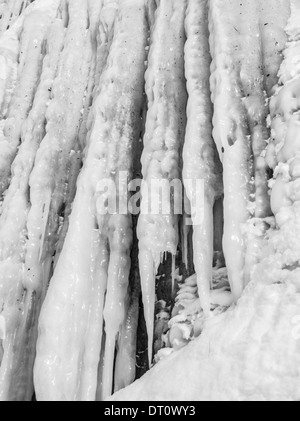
[98, 95]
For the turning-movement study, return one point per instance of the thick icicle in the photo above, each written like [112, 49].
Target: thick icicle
[120, 163]
[165, 86]
[201, 161]
[120, 241]
[126, 361]
[240, 85]
[239, 124]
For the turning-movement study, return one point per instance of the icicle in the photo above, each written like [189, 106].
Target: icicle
[241, 81]
[236, 76]
[148, 278]
[199, 154]
[203, 257]
[98, 269]
[163, 139]
[120, 240]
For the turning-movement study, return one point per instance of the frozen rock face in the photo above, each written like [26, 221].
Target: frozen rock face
[98, 95]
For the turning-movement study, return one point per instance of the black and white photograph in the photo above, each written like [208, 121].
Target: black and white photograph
[149, 203]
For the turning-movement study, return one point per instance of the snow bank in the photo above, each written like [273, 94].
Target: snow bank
[250, 353]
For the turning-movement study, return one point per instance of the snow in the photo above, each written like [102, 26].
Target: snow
[252, 352]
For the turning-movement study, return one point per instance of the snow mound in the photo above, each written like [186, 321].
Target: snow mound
[249, 353]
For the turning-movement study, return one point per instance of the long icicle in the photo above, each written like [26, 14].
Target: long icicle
[165, 86]
[231, 131]
[120, 161]
[201, 161]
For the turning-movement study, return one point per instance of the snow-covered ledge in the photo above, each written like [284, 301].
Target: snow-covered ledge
[252, 352]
